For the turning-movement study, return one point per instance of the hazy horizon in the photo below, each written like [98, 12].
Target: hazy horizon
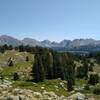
[48, 39]
[53, 20]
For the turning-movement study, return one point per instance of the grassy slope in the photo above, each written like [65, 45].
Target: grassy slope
[20, 65]
[48, 85]
[97, 68]
[23, 68]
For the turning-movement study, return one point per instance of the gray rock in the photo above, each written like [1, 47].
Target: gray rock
[37, 95]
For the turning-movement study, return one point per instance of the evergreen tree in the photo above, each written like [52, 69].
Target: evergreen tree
[27, 58]
[82, 71]
[70, 85]
[96, 91]
[86, 69]
[64, 65]
[10, 47]
[2, 50]
[91, 64]
[87, 87]
[49, 69]
[94, 78]
[5, 47]
[21, 48]
[15, 76]
[57, 66]
[38, 69]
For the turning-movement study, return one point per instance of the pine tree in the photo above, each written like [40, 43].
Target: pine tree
[82, 71]
[91, 66]
[57, 66]
[49, 69]
[2, 50]
[86, 69]
[10, 47]
[15, 76]
[27, 58]
[38, 69]
[94, 78]
[5, 46]
[70, 85]
[64, 65]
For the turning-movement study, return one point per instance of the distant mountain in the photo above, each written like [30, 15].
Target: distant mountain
[65, 45]
[4, 39]
[84, 42]
[46, 43]
[31, 42]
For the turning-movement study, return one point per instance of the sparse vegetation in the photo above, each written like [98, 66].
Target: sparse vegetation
[52, 71]
[15, 76]
[94, 79]
[97, 91]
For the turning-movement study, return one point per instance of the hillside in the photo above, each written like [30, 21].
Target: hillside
[55, 88]
[24, 68]
[20, 65]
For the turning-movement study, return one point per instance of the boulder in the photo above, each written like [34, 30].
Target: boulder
[37, 95]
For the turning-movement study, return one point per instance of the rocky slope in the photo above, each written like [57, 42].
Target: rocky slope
[65, 45]
[4, 39]
[8, 92]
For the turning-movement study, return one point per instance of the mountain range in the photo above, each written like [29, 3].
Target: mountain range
[65, 45]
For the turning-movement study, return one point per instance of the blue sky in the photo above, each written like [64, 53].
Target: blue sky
[50, 19]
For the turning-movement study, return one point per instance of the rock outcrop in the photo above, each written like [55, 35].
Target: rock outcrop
[7, 92]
